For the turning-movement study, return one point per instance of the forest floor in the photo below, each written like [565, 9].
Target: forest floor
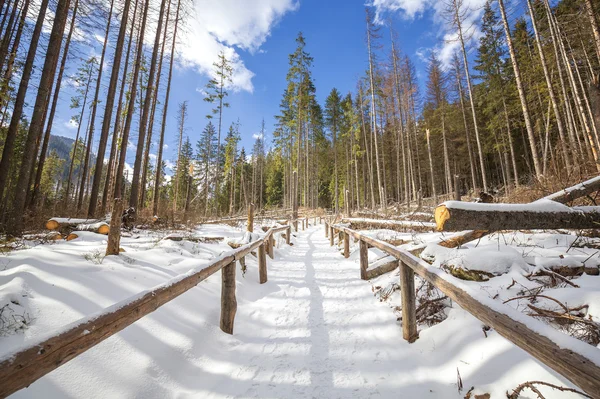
[313, 330]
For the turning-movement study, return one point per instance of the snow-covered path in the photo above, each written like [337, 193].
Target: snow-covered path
[314, 330]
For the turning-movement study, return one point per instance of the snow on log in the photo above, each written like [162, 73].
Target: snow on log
[457, 216]
[98, 227]
[60, 223]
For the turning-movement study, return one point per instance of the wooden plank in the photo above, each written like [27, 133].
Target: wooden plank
[578, 368]
[20, 369]
[228, 300]
[346, 245]
[288, 235]
[364, 259]
[262, 264]
[409, 309]
[331, 238]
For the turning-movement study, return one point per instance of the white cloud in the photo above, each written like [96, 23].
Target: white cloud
[202, 92]
[408, 8]
[165, 147]
[449, 44]
[71, 124]
[169, 165]
[257, 136]
[229, 26]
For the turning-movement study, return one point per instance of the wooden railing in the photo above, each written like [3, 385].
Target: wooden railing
[20, 369]
[573, 359]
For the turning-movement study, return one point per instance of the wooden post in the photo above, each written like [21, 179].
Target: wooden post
[288, 234]
[331, 236]
[364, 259]
[262, 264]
[250, 218]
[228, 301]
[409, 312]
[326, 230]
[270, 246]
[457, 196]
[114, 234]
[346, 245]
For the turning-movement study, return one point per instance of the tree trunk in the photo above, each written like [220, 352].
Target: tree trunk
[135, 183]
[458, 22]
[532, 144]
[15, 223]
[110, 100]
[130, 109]
[11, 134]
[40, 167]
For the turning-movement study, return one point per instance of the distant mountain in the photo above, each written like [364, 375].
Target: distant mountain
[62, 146]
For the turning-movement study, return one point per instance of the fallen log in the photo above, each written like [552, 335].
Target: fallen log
[396, 225]
[563, 196]
[72, 223]
[546, 215]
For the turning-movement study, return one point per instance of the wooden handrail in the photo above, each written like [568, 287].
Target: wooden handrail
[573, 359]
[21, 368]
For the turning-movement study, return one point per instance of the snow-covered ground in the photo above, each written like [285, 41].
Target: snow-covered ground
[313, 330]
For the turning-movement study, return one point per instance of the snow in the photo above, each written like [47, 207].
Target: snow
[313, 330]
[490, 258]
[542, 205]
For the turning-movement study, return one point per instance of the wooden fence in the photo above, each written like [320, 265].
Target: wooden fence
[19, 370]
[580, 367]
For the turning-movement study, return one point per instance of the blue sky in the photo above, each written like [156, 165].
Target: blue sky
[259, 35]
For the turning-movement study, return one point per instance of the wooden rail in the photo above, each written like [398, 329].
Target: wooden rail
[573, 359]
[20, 369]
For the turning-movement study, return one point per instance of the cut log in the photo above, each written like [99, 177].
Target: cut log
[68, 223]
[457, 216]
[99, 227]
[563, 196]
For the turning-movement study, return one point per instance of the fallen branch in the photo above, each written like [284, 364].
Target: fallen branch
[530, 384]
